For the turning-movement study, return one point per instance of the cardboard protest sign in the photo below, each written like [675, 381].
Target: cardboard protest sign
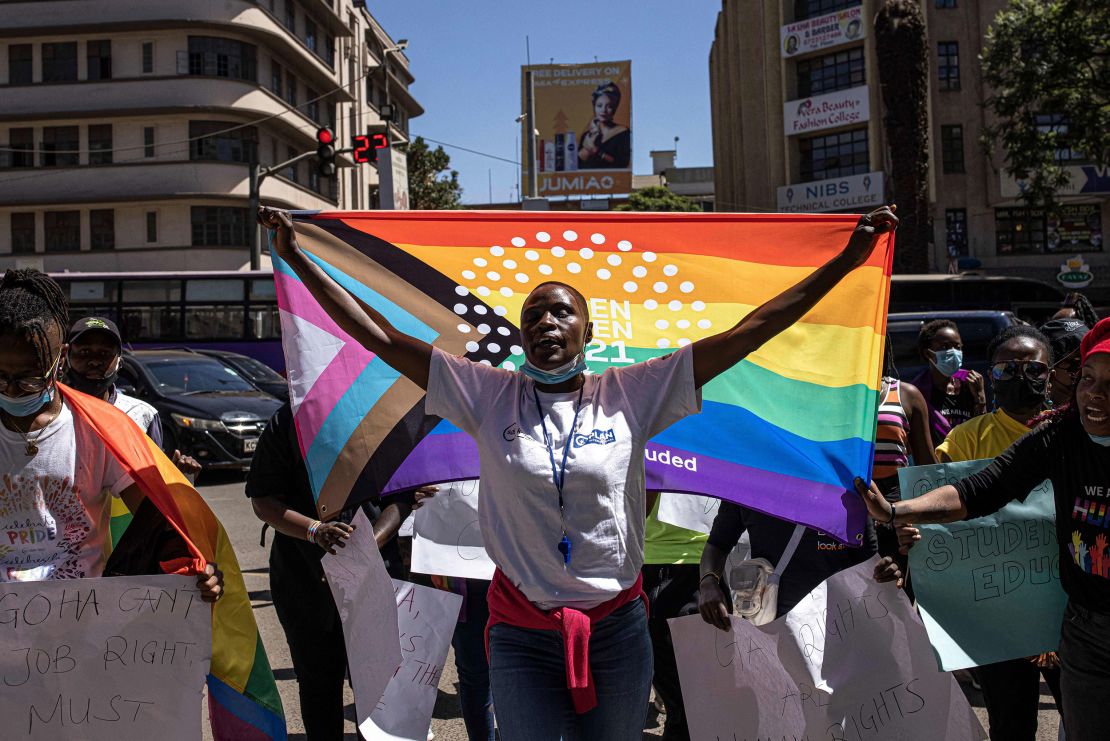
[688, 511]
[972, 578]
[363, 593]
[425, 622]
[447, 538]
[850, 662]
[104, 659]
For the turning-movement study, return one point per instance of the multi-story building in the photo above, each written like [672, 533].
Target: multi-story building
[127, 128]
[798, 126]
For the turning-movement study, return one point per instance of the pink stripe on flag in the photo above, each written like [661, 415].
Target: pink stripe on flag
[329, 388]
[294, 298]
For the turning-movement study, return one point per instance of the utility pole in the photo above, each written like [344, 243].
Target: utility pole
[257, 175]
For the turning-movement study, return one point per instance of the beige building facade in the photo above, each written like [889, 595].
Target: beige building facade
[127, 128]
[797, 127]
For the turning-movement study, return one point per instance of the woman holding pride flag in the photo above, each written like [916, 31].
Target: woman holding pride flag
[570, 654]
[1072, 450]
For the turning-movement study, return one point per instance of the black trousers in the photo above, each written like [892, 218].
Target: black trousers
[1012, 693]
[1085, 673]
[672, 591]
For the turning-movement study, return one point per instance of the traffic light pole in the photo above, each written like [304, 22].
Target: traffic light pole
[257, 175]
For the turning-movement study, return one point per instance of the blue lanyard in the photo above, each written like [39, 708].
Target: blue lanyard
[558, 477]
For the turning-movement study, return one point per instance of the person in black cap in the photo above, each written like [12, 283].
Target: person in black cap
[1064, 336]
[92, 359]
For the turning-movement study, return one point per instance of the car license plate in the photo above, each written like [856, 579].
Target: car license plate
[250, 445]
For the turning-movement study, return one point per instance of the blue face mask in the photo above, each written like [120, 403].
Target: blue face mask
[948, 361]
[1103, 440]
[555, 375]
[25, 406]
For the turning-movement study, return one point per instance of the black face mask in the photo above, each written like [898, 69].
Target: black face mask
[1019, 393]
[91, 386]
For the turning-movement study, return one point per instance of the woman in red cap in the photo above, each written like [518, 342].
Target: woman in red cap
[1072, 449]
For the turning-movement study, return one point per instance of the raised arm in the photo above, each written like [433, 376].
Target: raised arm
[409, 356]
[939, 505]
[714, 355]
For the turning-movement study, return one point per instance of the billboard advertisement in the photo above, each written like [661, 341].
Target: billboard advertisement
[823, 32]
[855, 192]
[393, 179]
[827, 111]
[584, 120]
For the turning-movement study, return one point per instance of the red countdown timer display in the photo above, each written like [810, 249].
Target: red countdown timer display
[364, 148]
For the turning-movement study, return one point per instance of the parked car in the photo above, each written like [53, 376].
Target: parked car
[977, 329]
[208, 410]
[258, 373]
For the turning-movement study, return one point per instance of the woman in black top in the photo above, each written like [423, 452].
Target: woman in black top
[606, 144]
[1072, 450]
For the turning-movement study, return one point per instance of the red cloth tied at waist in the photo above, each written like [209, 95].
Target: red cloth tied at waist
[507, 604]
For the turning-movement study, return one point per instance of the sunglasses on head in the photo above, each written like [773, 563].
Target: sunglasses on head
[1033, 370]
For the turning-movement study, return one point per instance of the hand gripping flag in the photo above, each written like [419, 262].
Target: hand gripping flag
[784, 431]
[243, 702]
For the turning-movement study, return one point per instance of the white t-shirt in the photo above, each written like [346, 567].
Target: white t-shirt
[55, 506]
[603, 492]
[139, 411]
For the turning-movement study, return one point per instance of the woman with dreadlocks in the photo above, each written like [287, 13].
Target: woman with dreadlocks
[58, 476]
[1072, 450]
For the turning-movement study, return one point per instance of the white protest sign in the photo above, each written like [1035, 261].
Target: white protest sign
[425, 622]
[363, 593]
[447, 538]
[406, 529]
[104, 659]
[688, 511]
[851, 662]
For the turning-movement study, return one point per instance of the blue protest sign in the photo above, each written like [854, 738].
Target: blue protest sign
[988, 589]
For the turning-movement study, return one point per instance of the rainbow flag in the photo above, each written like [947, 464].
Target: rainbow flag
[243, 701]
[784, 431]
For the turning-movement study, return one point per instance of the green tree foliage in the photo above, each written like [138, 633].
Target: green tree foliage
[1048, 57]
[432, 182]
[657, 198]
[902, 48]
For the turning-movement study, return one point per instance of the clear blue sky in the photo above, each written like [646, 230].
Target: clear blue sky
[466, 57]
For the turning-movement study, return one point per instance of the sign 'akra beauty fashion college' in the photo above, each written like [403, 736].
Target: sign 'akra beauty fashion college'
[840, 108]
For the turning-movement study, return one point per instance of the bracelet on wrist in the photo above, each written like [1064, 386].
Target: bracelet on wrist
[313, 529]
[893, 514]
[706, 575]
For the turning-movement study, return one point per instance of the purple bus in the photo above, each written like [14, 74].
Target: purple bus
[218, 310]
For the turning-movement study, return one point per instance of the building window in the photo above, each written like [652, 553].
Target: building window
[810, 8]
[59, 62]
[312, 106]
[831, 72]
[310, 34]
[945, 4]
[275, 77]
[59, 146]
[219, 226]
[214, 57]
[99, 56]
[948, 65]
[148, 141]
[290, 88]
[22, 143]
[834, 155]
[63, 230]
[952, 148]
[1057, 125]
[23, 233]
[329, 50]
[151, 227]
[290, 17]
[102, 229]
[1069, 229]
[210, 141]
[955, 230]
[19, 64]
[100, 144]
[148, 57]
[291, 171]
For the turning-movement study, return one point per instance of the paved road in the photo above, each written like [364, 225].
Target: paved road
[225, 496]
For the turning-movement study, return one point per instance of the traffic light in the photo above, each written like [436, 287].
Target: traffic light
[364, 148]
[325, 152]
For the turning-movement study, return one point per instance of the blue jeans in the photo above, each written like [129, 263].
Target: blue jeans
[529, 681]
[469, 642]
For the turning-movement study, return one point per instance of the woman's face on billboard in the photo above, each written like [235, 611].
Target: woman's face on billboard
[604, 108]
